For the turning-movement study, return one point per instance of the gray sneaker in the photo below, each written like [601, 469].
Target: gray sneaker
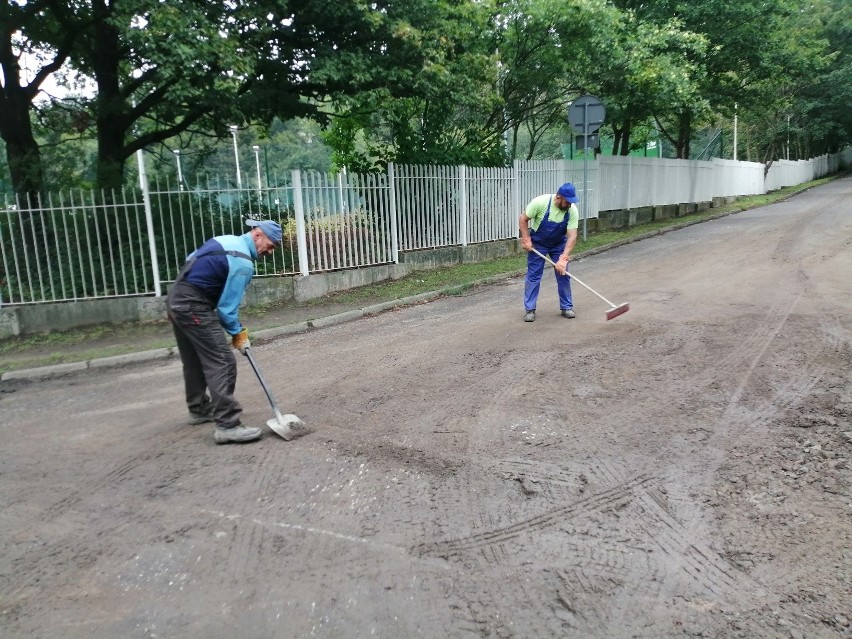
[569, 313]
[237, 435]
[530, 316]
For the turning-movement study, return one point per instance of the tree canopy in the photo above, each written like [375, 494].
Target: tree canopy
[478, 82]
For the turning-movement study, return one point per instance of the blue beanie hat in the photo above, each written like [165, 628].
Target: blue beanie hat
[568, 191]
[270, 229]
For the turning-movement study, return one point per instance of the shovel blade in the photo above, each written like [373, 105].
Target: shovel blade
[281, 425]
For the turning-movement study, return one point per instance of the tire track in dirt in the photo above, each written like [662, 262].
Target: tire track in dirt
[483, 542]
[48, 561]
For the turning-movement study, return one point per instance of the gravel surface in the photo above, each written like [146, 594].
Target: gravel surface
[680, 471]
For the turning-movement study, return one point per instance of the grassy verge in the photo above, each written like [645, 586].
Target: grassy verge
[102, 341]
[82, 344]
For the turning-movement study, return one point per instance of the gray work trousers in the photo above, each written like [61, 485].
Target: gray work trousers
[208, 359]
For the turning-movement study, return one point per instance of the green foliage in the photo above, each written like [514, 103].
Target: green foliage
[450, 116]
[821, 119]
[165, 68]
[758, 55]
[475, 82]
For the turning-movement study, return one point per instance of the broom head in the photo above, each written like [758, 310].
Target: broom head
[617, 310]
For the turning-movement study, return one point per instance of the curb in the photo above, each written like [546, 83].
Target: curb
[45, 371]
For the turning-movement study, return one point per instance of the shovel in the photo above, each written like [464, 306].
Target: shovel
[280, 424]
[615, 311]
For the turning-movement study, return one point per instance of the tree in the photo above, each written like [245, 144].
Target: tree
[754, 48]
[224, 62]
[47, 44]
[450, 116]
[648, 69]
[508, 67]
[821, 120]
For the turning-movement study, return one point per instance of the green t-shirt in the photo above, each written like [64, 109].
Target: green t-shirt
[537, 206]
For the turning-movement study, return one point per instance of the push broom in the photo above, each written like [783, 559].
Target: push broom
[280, 424]
[613, 312]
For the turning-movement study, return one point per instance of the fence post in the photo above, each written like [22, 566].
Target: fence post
[516, 194]
[463, 205]
[299, 209]
[149, 222]
[393, 213]
[629, 203]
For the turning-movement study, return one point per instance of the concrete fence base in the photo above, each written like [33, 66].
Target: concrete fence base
[626, 218]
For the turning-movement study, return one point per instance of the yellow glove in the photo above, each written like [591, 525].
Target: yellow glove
[240, 341]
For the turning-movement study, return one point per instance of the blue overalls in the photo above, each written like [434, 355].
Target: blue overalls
[550, 240]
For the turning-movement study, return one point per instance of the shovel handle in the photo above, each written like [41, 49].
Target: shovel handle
[573, 277]
[262, 381]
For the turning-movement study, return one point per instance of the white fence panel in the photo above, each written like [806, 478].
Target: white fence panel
[536, 177]
[187, 217]
[735, 178]
[616, 181]
[347, 221]
[790, 172]
[85, 245]
[427, 206]
[633, 182]
[491, 214]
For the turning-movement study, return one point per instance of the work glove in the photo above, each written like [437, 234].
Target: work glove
[240, 341]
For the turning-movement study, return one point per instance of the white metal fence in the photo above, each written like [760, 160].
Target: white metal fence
[90, 245]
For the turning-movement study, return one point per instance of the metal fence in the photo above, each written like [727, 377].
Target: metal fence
[78, 245]
[85, 245]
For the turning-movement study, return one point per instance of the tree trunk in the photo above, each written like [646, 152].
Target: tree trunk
[616, 138]
[111, 138]
[625, 139]
[22, 152]
[24, 159]
[25, 168]
[683, 134]
[112, 116]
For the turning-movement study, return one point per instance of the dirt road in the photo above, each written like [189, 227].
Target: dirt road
[680, 471]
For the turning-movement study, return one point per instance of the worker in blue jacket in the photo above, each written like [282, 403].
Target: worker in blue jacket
[205, 299]
[549, 225]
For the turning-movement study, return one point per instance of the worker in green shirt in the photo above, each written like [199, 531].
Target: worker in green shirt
[549, 224]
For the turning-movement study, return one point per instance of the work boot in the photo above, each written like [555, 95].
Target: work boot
[530, 316]
[569, 313]
[237, 434]
[200, 418]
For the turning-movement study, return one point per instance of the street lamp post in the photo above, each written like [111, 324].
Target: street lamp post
[233, 129]
[788, 136]
[180, 172]
[256, 150]
[735, 131]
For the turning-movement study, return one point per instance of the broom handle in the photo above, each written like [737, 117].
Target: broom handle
[574, 277]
